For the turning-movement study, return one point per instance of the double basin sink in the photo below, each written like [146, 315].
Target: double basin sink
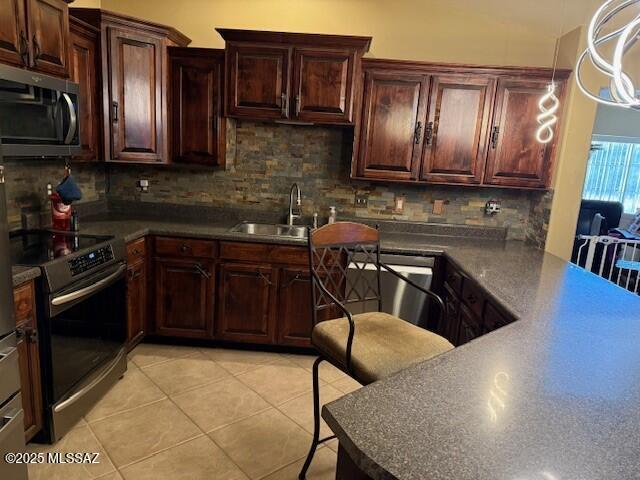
[271, 230]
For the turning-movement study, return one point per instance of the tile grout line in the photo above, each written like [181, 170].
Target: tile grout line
[106, 452]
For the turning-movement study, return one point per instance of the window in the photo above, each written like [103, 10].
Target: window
[613, 174]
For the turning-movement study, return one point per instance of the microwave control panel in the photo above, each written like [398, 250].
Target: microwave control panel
[90, 260]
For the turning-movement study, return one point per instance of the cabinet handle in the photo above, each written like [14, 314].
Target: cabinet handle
[137, 251]
[29, 335]
[284, 104]
[264, 278]
[291, 282]
[184, 248]
[495, 133]
[297, 105]
[24, 48]
[36, 48]
[428, 133]
[203, 272]
[472, 299]
[114, 106]
[417, 132]
[134, 274]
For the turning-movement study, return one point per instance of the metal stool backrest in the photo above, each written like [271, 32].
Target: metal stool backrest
[339, 255]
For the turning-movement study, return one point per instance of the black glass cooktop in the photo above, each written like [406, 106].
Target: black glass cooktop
[37, 247]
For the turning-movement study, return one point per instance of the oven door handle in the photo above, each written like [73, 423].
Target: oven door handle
[73, 119]
[83, 292]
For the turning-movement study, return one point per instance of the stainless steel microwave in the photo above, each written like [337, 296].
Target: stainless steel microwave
[38, 114]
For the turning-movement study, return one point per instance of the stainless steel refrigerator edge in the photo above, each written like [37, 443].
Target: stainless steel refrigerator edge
[11, 413]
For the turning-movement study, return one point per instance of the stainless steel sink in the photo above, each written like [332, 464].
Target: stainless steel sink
[271, 230]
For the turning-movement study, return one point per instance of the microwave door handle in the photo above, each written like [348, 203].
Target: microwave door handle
[73, 119]
[86, 291]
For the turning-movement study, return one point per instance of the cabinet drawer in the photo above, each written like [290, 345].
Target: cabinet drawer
[472, 296]
[136, 251]
[493, 319]
[23, 298]
[262, 252]
[453, 278]
[185, 247]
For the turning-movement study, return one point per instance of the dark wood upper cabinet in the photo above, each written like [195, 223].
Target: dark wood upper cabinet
[136, 96]
[135, 84]
[515, 157]
[197, 126]
[323, 85]
[184, 297]
[477, 127]
[14, 43]
[456, 130]
[257, 82]
[246, 297]
[302, 77]
[49, 32]
[84, 69]
[394, 113]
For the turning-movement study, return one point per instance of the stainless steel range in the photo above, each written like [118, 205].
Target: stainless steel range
[81, 319]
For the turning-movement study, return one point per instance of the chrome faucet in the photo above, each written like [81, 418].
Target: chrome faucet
[294, 212]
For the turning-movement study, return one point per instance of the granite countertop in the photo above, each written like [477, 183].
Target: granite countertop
[24, 274]
[553, 396]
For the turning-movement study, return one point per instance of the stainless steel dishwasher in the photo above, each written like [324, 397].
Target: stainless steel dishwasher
[398, 297]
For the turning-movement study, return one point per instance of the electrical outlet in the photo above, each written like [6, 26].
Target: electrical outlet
[362, 200]
[143, 185]
[399, 204]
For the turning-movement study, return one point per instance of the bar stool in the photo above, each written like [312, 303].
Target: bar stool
[366, 346]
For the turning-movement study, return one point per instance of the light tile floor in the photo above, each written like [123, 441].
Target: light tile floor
[187, 413]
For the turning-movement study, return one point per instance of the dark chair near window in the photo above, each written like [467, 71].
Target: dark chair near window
[366, 346]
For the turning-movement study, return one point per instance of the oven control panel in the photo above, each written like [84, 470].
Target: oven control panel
[90, 260]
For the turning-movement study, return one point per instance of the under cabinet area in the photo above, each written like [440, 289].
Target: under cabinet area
[469, 313]
[28, 358]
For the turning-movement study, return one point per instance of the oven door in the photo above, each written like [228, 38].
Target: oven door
[87, 328]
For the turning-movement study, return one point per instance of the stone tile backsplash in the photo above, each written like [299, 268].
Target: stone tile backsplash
[26, 184]
[268, 158]
[262, 163]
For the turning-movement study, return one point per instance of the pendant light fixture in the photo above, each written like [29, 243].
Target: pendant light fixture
[622, 89]
[549, 103]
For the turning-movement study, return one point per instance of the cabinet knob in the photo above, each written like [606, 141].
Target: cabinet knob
[185, 248]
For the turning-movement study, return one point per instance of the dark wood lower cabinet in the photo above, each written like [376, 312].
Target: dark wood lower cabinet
[469, 312]
[246, 295]
[28, 359]
[136, 303]
[294, 315]
[184, 297]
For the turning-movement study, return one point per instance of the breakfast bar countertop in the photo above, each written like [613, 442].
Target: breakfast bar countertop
[553, 396]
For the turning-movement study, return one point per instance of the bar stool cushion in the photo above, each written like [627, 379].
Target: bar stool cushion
[382, 345]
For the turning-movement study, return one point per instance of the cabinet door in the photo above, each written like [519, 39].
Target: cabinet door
[14, 43]
[257, 81]
[468, 326]
[457, 128]
[450, 319]
[295, 319]
[394, 113]
[245, 298]
[28, 359]
[83, 69]
[515, 158]
[184, 297]
[135, 63]
[198, 125]
[49, 32]
[136, 303]
[323, 85]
